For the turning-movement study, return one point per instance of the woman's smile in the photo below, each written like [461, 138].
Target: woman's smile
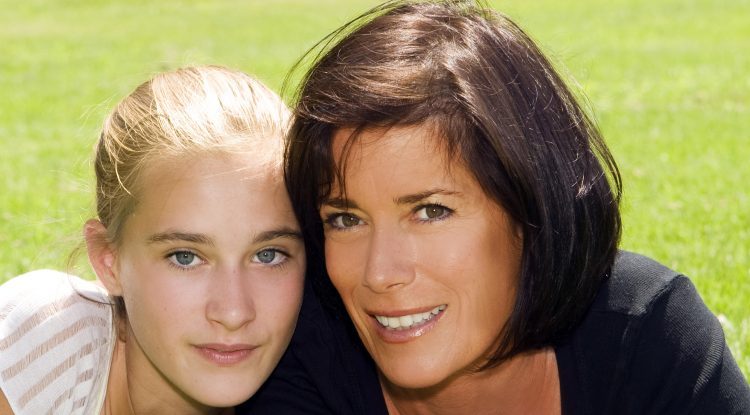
[400, 327]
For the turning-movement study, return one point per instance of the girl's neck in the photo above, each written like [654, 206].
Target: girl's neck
[526, 384]
[117, 400]
[127, 396]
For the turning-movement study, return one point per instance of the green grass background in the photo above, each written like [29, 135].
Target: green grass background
[668, 81]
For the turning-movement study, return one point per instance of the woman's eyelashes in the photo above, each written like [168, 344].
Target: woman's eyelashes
[342, 220]
[425, 213]
[432, 212]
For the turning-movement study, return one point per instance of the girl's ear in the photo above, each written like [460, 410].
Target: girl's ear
[102, 256]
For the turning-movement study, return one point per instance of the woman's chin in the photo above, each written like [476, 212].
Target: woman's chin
[413, 377]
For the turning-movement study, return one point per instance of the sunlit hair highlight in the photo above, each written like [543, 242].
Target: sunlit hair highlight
[186, 112]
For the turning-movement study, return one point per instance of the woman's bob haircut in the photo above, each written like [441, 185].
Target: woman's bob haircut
[497, 105]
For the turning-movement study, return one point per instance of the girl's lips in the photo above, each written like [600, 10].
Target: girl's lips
[225, 354]
[404, 327]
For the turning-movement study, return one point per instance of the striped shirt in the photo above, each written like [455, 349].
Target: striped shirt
[56, 342]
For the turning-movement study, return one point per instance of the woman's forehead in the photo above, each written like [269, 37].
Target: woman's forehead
[347, 141]
[403, 157]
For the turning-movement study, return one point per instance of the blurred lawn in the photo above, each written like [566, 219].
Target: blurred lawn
[669, 82]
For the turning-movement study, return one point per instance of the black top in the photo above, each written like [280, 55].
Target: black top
[648, 345]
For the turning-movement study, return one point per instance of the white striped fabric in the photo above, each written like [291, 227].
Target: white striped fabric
[56, 343]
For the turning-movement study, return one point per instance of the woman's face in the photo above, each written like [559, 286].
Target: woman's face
[424, 261]
[211, 268]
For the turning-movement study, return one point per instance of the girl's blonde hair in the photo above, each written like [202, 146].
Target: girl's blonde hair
[186, 112]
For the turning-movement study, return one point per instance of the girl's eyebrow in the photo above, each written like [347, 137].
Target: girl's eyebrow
[199, 238]
[176, 236]
[283, 232]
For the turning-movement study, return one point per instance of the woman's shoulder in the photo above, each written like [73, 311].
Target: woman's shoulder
[56, 338]
[634, 284]
[649, 333]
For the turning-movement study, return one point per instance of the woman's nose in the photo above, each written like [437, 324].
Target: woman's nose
[389, 263]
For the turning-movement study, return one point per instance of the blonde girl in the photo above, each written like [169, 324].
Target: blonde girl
[197, 249]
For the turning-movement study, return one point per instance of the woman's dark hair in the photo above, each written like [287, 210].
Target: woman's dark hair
[501, 108]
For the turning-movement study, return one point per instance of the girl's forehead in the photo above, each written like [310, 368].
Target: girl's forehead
[199, 164]
[192, 175]
[198, 192]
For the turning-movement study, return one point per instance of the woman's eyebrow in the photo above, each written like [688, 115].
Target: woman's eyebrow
[418, 197]
[340, 203]
[176, 236]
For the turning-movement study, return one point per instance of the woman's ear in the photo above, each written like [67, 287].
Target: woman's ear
[102, 255]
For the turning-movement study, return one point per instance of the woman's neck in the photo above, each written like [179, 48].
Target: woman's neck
[526, 384]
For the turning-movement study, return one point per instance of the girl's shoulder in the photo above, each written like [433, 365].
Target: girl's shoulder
[41, 284]
[44, 294]
[56, 342]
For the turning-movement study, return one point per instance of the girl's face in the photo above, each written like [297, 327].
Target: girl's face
[210, 266]
[425, 262]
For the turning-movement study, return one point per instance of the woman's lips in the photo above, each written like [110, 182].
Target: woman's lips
[403, 327]
[225, 354]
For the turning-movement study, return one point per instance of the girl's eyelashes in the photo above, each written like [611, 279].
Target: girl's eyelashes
[184, 259]
[432, 212]
[271, 256]
[342, 220]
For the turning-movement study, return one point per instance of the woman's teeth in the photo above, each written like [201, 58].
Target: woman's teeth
[405, 322]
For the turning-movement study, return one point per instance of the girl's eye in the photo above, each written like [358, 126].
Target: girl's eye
[185, 259]
[432, 212]
[270, 257]
[343, 221]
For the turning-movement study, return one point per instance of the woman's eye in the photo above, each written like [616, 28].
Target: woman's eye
[432, 212]
[343, 221]
[270, 257]
[185, 259]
